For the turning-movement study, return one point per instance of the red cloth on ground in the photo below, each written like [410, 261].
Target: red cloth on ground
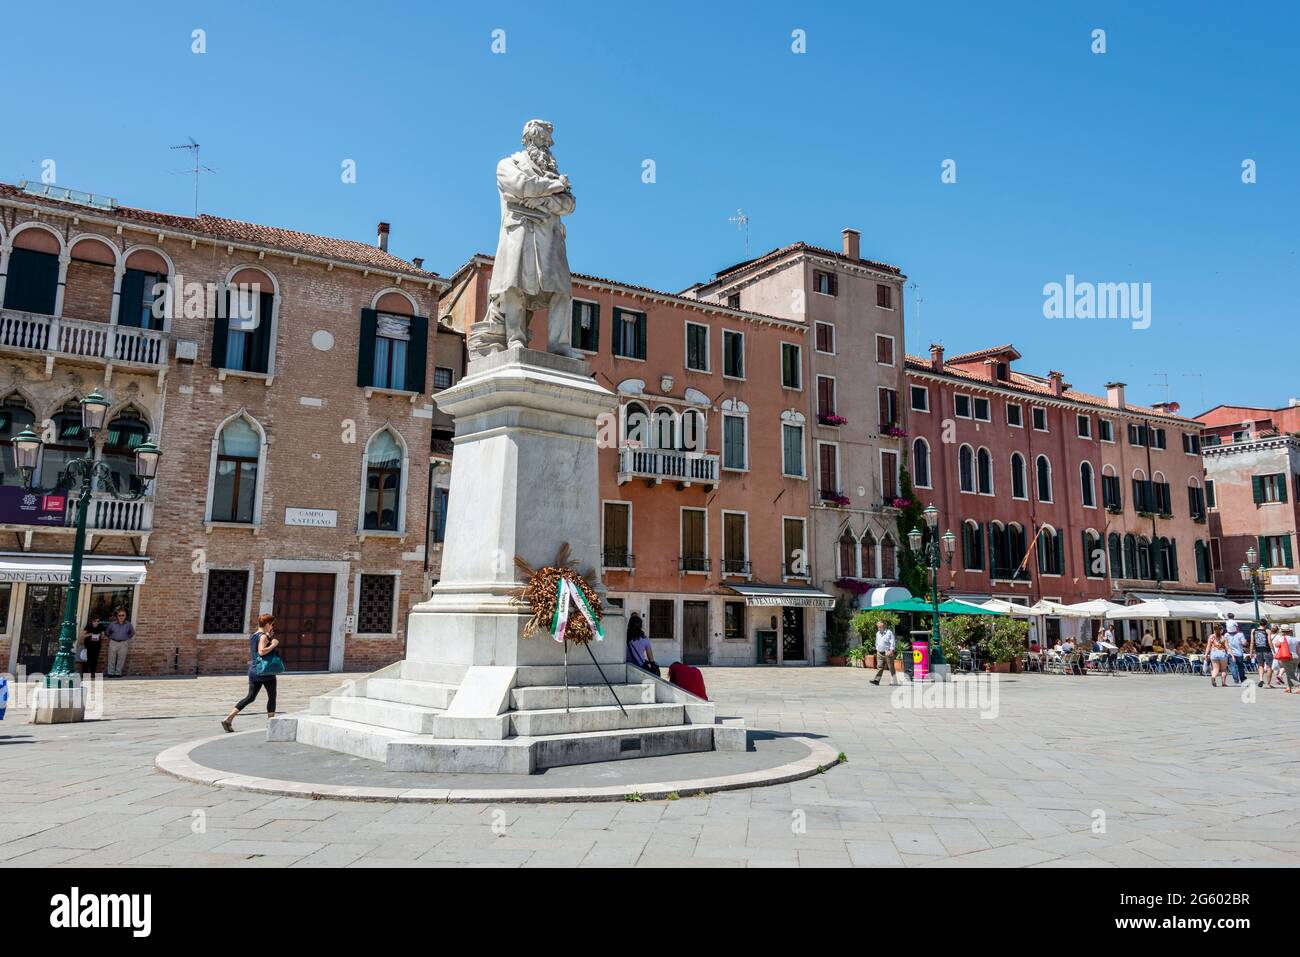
[688, 679]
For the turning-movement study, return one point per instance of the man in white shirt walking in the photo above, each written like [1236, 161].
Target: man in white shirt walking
[885, 653]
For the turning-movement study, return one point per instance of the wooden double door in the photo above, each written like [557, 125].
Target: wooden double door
[304, 619]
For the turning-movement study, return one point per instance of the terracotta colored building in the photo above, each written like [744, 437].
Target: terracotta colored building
[1055, 493]
[852, 309]
[1252, 471]
[705, 476]
[287, 377]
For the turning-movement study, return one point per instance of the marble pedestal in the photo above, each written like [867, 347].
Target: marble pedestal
[60, 704]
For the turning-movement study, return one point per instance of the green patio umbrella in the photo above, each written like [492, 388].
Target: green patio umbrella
[951, 607]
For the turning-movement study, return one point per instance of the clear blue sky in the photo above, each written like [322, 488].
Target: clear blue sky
[1122, 167]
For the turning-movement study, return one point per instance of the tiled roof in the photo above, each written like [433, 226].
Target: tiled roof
[807, 248]
[1036, 385]
[234, 231]
[981, 353]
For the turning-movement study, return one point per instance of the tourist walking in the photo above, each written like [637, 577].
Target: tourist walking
[1284, 653]
[263, 665]
[1263, 651]
[119, 632]
[885, 644]
[1218, 651]
[640, 651]
[1236, 641]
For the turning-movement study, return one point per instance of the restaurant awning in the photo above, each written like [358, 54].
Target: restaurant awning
[790, 596]
[883, 596]
[1165, 609]
[57, 571]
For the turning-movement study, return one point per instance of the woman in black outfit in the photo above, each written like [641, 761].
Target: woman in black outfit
[260, 644]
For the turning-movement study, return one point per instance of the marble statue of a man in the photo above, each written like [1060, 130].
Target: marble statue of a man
[532, 268]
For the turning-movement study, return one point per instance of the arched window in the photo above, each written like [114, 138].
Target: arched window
[1094, 556]
[1131, 557]
[1203, 571]
[636, 425]
[1087, 487]
[69, 443]
[244, 339]
[966, 468]
[1051, 555]
[126, 432]
[1116, 555]
[887, 558]
[1018, 484]
[665, 428]
[144, 296]
[1044, 469]
[848, 555]
[34, 271]
[869, 556]
[1016, 548]
[1145, 566]
[234, 488]
[921, 463]
[984, 471]
[14, 417]
[693, 426]
[383, 508]
[1166, 559]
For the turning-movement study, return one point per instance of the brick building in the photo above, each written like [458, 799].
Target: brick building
[288, 379]
[1106, 498]
[1252, 471]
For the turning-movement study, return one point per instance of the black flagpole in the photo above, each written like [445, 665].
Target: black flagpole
[587, 645]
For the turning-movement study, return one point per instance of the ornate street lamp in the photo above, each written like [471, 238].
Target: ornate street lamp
[932, 551]
[1254, 575]
[27, 451]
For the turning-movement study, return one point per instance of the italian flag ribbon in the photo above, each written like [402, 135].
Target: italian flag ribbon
[568, 597]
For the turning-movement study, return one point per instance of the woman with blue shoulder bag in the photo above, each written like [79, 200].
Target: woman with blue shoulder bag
[263, 665]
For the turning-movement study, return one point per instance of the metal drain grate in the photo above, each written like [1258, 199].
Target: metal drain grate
[629, 744]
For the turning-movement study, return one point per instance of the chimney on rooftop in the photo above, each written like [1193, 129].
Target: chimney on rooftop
[936, 357]
[852, 243]
[1058, 382]
[1115, 395]
[418, 262]
[1169, 408]
[383, 236]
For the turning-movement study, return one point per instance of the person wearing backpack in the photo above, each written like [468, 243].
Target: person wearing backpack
[1262, 647]
[1284, 653]
[263, 665]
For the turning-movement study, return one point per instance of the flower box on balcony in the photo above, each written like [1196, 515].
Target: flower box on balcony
[835, 499]
[899, 502]
[897, 432]
[830, 418]
[1115, 509]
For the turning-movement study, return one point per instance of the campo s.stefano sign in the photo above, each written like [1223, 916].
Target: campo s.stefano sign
[20, 506]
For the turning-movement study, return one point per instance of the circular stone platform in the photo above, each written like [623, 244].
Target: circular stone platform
[247, 761]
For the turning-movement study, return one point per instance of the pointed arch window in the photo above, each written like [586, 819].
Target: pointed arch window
[984, 471]
[126, 432]
[234, 488]
[966, 468]
[383, 504]
[921, 463]
[848, 555]
[1018, 485]
[1044, 469]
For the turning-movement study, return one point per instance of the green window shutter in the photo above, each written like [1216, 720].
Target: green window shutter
[1262, 546]
[1060, 552]
[262, 334]
[366, 348]
[220, 332]
[1286, 551]
[1281, 488]
[641, 336]
[131, 301]
[1257, 488]
[417, 353]
[1173, 560]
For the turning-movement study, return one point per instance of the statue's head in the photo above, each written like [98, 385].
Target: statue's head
[537, 134]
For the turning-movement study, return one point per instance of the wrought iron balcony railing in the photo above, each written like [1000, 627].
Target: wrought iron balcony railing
[693, 563]
[617, 560]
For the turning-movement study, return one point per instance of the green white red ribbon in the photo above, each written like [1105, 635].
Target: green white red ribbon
[568, 597]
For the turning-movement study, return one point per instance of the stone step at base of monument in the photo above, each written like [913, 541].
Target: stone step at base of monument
[432, 671]
[425, 694]
[336, 734]
[535, 724]
[388, 715]
[547, 697]
[525, 755]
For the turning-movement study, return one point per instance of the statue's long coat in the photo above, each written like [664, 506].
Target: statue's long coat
[530, 248]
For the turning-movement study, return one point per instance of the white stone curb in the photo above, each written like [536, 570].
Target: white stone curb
[176, 762]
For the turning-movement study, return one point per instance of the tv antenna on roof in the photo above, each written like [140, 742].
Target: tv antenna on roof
[1164, 385]
[196, 171]
[916, 297]
[742, 222]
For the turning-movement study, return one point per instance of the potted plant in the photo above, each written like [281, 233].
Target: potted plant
[857, 656]
[837, 633]
[1007, 643]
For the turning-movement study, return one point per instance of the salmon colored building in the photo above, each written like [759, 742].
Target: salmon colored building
[704, 477]
[1252, 471]
[1055, 493]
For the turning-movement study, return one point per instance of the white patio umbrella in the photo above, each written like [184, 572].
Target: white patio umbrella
[1245, 611]
[1007, 608]
[1160, 609]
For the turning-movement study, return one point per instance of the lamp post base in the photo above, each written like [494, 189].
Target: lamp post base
[59, 703]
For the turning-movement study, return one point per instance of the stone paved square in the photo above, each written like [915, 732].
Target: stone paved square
[1130, 771]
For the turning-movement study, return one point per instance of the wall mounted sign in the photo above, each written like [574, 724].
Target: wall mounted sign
[312, 517]
[20, 506]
